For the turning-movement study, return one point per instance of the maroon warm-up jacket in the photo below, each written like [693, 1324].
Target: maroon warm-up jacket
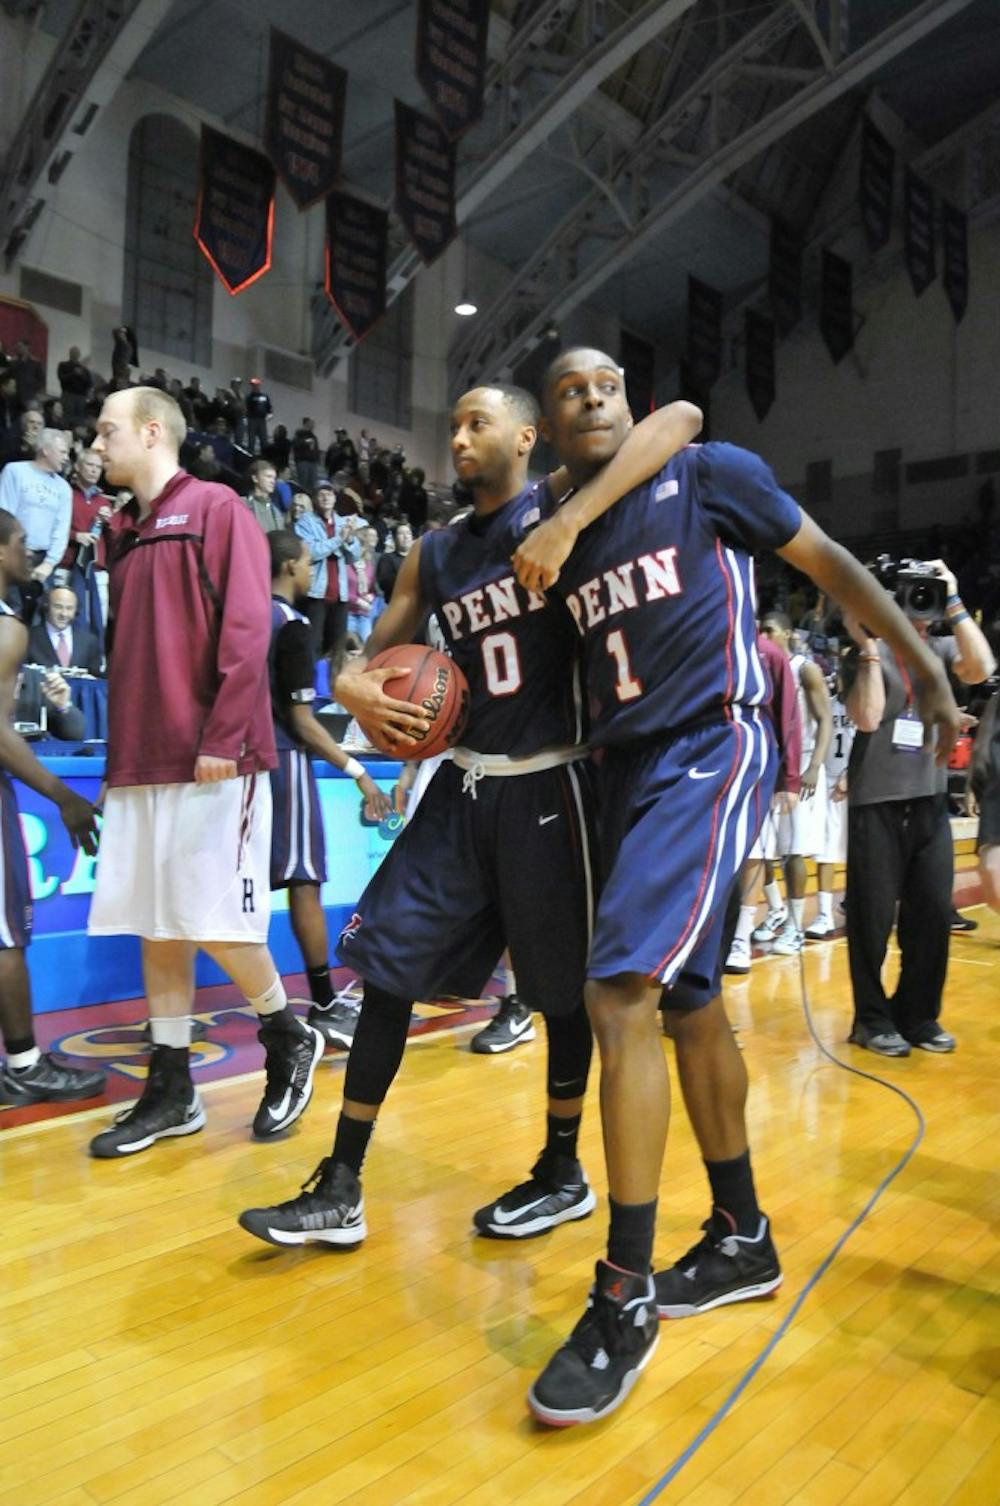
[783, 709]
[191, 615]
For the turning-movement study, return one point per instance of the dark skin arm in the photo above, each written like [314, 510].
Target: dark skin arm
[841, 576]
[818, 701]
[361, 691]
[17, 758]
[314, 736]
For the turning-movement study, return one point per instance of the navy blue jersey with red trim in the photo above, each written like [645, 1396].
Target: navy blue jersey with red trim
[661, 590]
[518, 649]
[291, 667]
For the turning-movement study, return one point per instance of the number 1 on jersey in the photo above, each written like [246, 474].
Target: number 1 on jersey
[627, 687]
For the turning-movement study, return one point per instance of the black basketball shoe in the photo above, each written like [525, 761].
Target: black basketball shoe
[290, 1063]
[720, 1268]
[336, 1023]
[169, 1106]
[598, 1365]
[511, 1026]
[49, 1080]
[329, 1210]
[556, 1192]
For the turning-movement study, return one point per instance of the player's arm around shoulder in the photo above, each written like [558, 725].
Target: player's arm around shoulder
[361, 690]
[646, 450]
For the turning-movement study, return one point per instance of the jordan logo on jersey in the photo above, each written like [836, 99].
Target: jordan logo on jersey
[497, 601]
[651, 577]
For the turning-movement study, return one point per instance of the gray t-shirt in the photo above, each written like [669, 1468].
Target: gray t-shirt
[878, 770]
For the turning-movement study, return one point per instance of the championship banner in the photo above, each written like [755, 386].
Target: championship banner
[425, 182]
[920, 260]
[638, 357]
[704, 331]
[304, 129]
[836, 320]
[785, 276]
[955, 256]
[760, 362]
[451, 59]
[234, 216]
[357, 238]
[878, 168]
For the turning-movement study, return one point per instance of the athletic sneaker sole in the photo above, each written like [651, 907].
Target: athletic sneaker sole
[739, 1294]
[571, 1418]
[285, 1238]
[487, 1049]
[296, 1112]
[736, 970]
[133, 1147]
[334, 1037]
[539, 1225]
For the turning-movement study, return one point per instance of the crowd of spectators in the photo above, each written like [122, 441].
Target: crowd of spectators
[357, 502]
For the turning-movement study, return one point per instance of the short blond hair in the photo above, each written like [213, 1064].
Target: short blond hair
[150, 405]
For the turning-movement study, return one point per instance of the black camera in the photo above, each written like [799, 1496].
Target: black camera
[919, 591]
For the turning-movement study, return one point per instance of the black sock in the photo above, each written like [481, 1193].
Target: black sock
[17, 1045]
[320, 986]
[351, 1142]
[630, 1235]
[282, 1019]
[560, 1135]
[733, 1194]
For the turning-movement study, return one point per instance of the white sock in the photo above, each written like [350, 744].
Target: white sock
[170, 1030]
[772, 893]
[798, 909]
[744, 925]
[20, 1061]
[509, 981]
[825, 900]
[271, 1002]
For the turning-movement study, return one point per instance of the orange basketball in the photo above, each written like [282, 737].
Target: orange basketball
[431, 680]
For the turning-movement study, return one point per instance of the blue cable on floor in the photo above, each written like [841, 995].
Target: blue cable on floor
[786, 1323]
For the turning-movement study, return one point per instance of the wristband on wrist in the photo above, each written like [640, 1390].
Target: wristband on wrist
[954, 600]
[353, 769]
[956, 617]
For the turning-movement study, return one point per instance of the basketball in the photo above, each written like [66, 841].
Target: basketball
[432, 680]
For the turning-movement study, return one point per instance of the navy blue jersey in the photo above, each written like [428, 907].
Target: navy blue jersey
[661, 590]
[291, 667]
[517, 649]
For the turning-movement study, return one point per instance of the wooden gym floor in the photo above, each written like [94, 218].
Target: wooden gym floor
[154, 1354]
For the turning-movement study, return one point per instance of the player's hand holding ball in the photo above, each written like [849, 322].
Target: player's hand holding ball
[361, 692]
[429, 683]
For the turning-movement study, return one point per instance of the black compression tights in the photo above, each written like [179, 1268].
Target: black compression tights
[571, 1045]
[379, 1043]
[380, 1040]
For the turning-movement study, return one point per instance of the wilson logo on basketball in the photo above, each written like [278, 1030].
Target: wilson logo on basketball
[432, 703]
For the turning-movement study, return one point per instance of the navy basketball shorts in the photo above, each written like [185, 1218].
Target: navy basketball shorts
[298, 848]
[512, 867]
[15, 886]
[678, 818]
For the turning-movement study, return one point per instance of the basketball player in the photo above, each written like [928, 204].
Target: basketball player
[833, 842]
[298, 849]
[661, 591]
[28, 1075]
[799, 832]
[499, 850]
[185, 847]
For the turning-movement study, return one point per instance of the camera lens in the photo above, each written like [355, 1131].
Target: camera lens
[922, 598]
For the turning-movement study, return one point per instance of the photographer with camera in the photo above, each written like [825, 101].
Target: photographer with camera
[899, 848]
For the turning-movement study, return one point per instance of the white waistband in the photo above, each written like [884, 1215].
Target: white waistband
[490, 764]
